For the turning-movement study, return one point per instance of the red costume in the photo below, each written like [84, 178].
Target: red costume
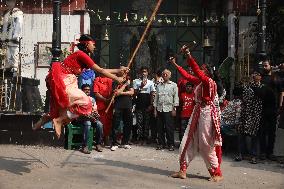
[103, 86]
[63, 85]
[203, 132]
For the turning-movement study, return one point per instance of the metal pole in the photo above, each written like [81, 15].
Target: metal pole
[56, 42]
[56, 34]
[261, 41]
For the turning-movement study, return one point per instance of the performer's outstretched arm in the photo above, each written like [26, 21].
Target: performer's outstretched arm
[85, 59]
[197, 71]
[184, 73]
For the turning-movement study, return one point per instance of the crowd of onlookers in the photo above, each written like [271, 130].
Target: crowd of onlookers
[149, 110]
[255, 112]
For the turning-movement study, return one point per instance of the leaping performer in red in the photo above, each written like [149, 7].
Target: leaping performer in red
[67, 101]
[202, 134]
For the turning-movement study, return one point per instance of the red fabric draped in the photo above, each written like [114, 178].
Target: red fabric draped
[59, 98]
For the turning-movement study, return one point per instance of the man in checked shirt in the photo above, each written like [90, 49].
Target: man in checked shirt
[165, 102]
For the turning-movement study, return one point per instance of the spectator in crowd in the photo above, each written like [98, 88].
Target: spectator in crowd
[165, 103]
[87, 77]
[187, 105]
[153, 123]
[158, 77]
[123, 111]
[87, 124]
[144, 92]
[271, 103]
[231, 119]
[281, 108]
[281, 83]
[103, 94]
[251, 113]
[181, 84]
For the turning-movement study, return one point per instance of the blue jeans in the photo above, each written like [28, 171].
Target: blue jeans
[99, 131]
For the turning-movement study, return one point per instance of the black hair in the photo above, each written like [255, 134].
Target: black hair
[144, 68]
[85, 85]
[84, 38]
[266, 59]
[189, 84]
[159, 72]
[257, 72]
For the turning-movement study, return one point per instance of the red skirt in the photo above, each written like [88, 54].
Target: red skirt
[65, 94]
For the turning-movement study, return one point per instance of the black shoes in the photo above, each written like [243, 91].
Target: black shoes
[160, 147]
[171, 148]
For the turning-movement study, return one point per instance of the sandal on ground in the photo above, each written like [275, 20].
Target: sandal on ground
[216, 178]
[179, 174]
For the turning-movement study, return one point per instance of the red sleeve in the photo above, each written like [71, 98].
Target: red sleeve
[195, 68]
[83, 58]
[188, 76]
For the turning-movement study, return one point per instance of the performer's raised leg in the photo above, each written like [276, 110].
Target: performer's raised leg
[64, 118]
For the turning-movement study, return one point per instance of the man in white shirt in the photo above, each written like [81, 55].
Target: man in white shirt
[144, 92]
[165, 102]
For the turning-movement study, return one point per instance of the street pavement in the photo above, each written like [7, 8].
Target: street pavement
[36, 167]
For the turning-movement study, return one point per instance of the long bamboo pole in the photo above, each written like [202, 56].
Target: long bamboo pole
[139, 44]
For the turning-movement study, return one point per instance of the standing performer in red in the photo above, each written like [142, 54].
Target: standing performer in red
[67, 101]
[203, 131]
[103, 93]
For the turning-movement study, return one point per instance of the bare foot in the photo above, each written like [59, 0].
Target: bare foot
[181, 175]
[57, 123]
[44, 119]
[216, 178]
